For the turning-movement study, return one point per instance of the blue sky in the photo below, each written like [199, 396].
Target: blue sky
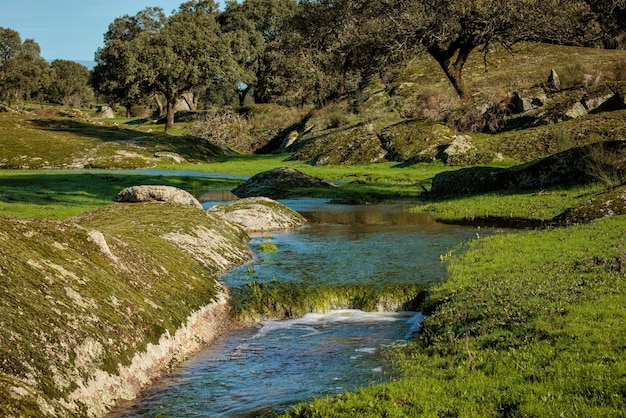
[70, 29]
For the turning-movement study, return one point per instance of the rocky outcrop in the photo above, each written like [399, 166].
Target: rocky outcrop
[260, 214]
[415, 141]
[350, 145]
[168, 194]
[103, 389]
[595, 162]
[527, 100]
[604, 205]
[105, 112]
[277, 183]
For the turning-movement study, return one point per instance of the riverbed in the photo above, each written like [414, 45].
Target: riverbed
[272, 366]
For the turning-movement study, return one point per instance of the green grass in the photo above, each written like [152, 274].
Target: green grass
[64, 193]
[526, 324]
[515, 205]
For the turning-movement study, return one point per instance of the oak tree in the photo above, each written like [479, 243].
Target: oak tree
[450, 30]
[23, 72]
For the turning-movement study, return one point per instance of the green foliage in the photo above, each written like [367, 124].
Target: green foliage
[69, 84]
[23, 72]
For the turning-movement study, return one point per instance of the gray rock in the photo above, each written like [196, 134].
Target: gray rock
[105, 112]
[602, 206]
[168, 194]
[554, 82]
[260, 214]
[574, 166]
[527, 100]
[603, 99]
[575, 110]
[278, 182]
[461, 145]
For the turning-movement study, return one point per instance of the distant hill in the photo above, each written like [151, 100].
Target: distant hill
[88, 64]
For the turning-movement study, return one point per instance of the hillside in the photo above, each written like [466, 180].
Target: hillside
[415, 116]
[412, 115]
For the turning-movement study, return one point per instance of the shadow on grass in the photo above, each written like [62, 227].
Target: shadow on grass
[90, 189]
[189, 147]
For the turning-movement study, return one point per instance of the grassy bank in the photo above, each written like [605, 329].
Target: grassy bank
[526, 324]
[64, 193]
[84, 295]
[540, 206]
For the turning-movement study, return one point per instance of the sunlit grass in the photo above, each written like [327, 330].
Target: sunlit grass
[526, 324]
[541, 206]
[62, 194]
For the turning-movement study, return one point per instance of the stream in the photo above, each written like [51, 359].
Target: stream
[270, 367]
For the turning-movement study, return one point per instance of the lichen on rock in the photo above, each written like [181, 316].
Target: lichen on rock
[260, 214]
[278, 183]
[169, 194]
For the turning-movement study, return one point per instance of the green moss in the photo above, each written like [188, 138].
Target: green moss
[261, 301]
[74, 308]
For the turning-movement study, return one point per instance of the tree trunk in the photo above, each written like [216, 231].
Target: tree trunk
[242, 94]
[171, 112]
[159, 106]
[453, 70]
[192, 99]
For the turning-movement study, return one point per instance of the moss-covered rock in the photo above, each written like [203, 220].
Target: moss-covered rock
[96, 307]
[415, 140]
[260, 214]
[605, 205]
[277, 183]
[352, 145]
[603, 161]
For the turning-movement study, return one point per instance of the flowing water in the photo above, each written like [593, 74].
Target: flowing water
[277, 364]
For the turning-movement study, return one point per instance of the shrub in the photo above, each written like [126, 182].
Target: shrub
[224, 128]
[432, 104]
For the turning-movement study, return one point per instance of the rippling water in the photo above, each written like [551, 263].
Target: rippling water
[277, 364]
[272, 367]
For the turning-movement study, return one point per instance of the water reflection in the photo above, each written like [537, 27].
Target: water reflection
[348, 245]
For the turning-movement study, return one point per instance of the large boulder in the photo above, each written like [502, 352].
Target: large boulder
[346, 145]
[277, 183]
[526, 100]
[105, 112]
[602, 161]
[415, 140]
[138, 194]
[260, 214]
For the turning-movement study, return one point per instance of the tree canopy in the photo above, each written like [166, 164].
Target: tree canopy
[296, 51]
[23, 73]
